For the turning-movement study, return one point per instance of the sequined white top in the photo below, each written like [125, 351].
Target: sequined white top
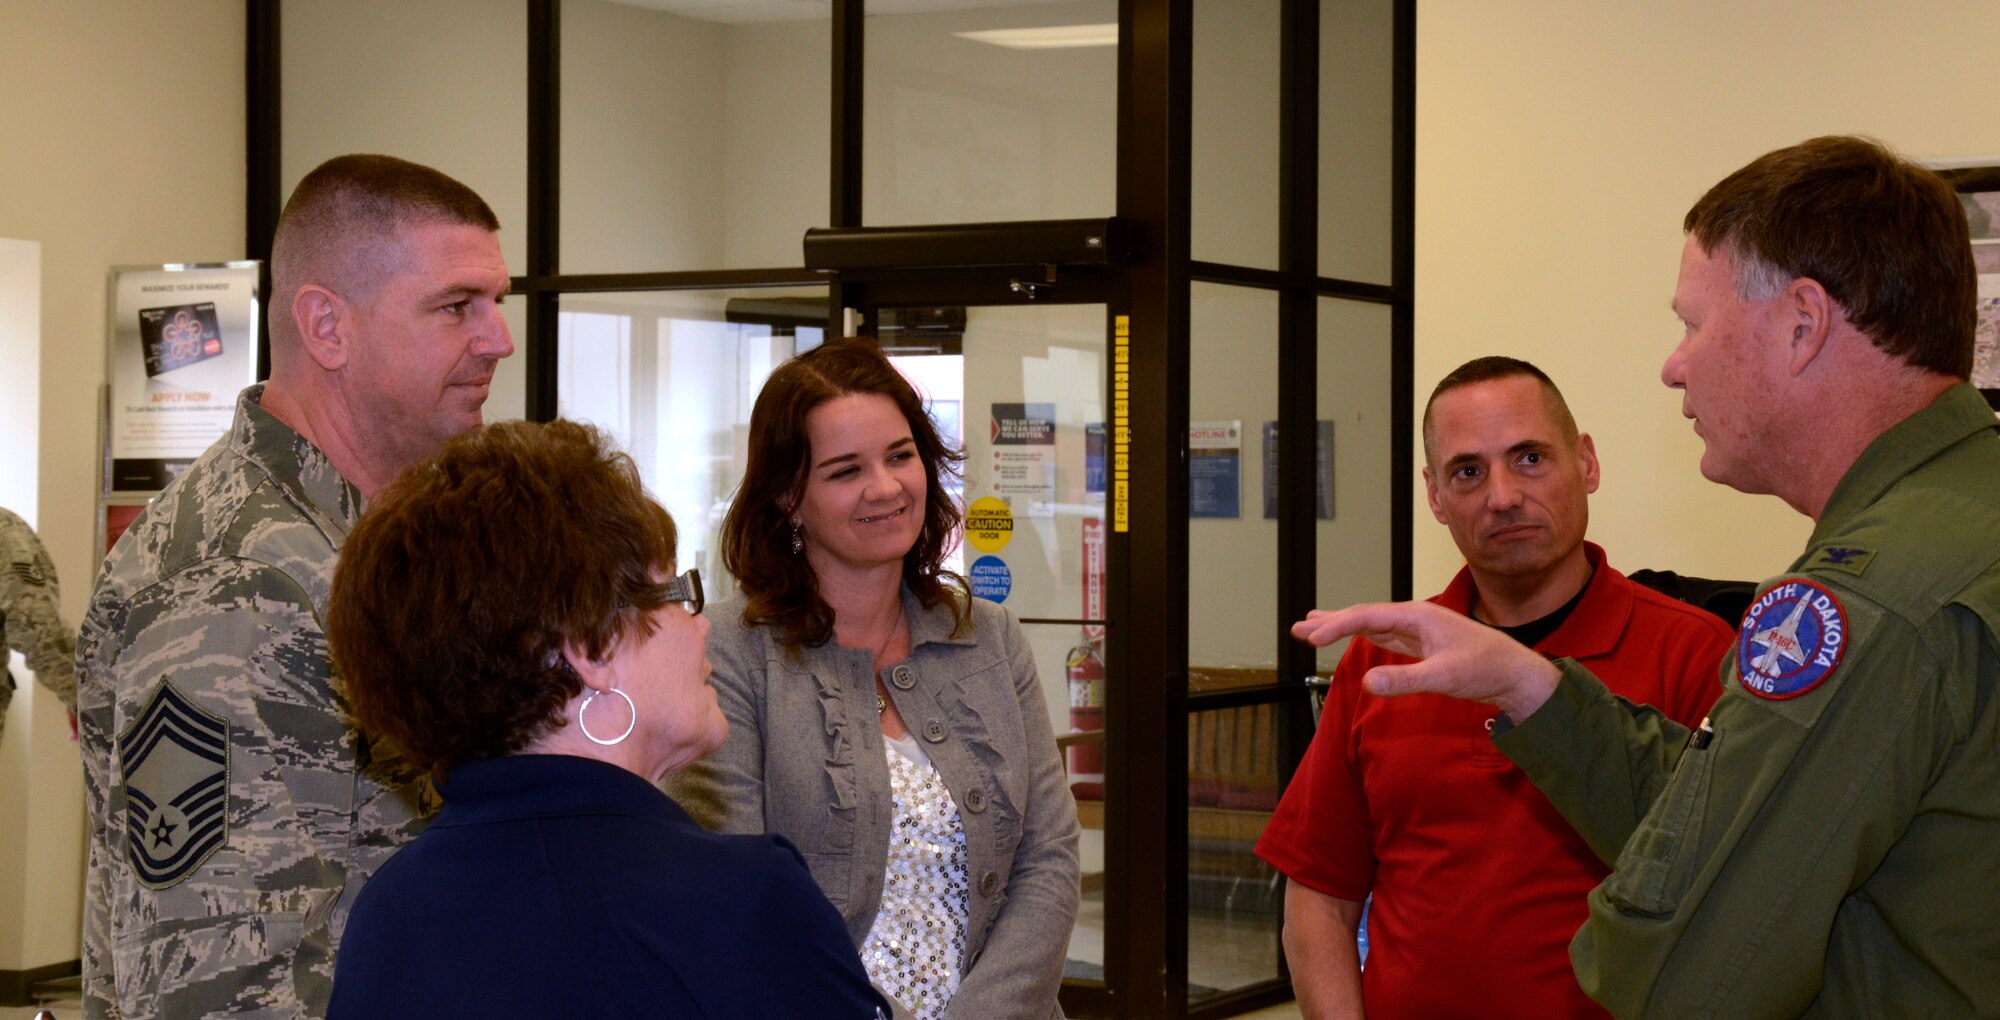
[913, 951]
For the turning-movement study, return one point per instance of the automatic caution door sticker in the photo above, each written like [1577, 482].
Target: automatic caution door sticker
[989, 524]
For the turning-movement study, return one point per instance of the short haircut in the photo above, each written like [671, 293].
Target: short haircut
[345, 209]
[459, 587]
[756, 540]
[1886, 238]
[1487, 369]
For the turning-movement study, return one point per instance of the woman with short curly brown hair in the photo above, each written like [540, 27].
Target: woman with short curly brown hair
[509, 617]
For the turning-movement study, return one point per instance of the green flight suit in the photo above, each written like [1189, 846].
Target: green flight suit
[1836, 853]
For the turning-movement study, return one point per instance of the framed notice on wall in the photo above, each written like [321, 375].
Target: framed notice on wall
[183, 341]
[1979, 191]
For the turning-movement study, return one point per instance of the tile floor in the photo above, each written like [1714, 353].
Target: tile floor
[66, 1009]
[71, 1011]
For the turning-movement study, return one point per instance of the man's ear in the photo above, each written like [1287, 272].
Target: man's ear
[1431, 495]
[1586, 452]
[1812, 315]
[325, 323]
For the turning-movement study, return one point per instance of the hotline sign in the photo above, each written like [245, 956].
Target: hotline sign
[1792, 638]
[178, 336]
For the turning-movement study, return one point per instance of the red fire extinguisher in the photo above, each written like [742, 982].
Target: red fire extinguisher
[1086, 712]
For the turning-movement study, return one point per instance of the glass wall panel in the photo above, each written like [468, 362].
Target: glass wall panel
[1025, 397]
[1356, 122]
[1233, 530]
[1235, 900]
[1233, 178]
[1080, 734]
[1033, 412]
[1353, 546]
[672, 376]
[991, 111]
[690, 141]
[443, 83]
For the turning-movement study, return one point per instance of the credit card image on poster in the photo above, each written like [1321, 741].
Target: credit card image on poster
[177, 336]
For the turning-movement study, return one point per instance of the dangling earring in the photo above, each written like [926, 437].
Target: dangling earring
[584, 706]
[798, 543]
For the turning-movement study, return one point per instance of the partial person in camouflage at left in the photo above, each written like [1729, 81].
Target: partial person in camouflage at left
[31, 617]
[235, 808]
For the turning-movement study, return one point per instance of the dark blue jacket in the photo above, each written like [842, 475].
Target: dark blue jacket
[553, 885]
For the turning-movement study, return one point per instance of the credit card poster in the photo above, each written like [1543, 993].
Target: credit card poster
[1023, 471]
[183, 342]
[1215, 469]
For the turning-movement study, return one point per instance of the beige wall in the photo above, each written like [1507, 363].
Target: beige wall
[1559, 142]
[124, 129]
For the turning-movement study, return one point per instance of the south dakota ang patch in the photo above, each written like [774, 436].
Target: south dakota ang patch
[1792, 638]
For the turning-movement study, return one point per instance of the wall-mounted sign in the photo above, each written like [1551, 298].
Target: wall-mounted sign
[1215, 469]
[183, 341]
[1023, 438]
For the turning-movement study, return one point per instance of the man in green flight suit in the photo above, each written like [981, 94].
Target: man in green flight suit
[1825, 843]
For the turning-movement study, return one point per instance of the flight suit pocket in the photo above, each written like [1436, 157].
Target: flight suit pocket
[1659, 861]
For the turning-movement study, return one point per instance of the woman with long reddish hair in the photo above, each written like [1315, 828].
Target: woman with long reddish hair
[888, 724]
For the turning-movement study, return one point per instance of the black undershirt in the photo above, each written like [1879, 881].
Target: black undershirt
[1532, 632]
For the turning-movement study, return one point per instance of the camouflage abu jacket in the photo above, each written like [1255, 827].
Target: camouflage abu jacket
[235, 811]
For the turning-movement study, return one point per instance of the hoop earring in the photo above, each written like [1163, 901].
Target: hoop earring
[584, 706]
[798, 543]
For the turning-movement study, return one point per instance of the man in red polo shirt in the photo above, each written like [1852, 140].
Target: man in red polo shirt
[1478, 882]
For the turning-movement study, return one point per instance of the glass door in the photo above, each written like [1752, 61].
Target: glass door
[1022, 387]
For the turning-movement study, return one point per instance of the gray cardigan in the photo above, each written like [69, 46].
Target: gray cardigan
[804, 759]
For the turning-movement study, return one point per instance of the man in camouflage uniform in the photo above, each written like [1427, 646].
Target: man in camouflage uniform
[30, 616]
[1823, 843]
[235, 809]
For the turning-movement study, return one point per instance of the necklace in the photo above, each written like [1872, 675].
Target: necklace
[882, 655]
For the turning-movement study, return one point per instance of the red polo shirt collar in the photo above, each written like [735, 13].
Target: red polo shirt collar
[1592, 629]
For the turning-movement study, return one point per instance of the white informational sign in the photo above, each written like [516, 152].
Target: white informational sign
[1024, 457]
[1215, 468]
[183, 342]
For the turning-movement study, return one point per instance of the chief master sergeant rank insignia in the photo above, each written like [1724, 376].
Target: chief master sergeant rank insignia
[176, 759]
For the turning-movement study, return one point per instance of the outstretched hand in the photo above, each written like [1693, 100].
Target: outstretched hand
[1458, 656]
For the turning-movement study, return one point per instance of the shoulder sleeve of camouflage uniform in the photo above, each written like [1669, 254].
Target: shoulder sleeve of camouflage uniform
[234, 649]
[30, 605]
